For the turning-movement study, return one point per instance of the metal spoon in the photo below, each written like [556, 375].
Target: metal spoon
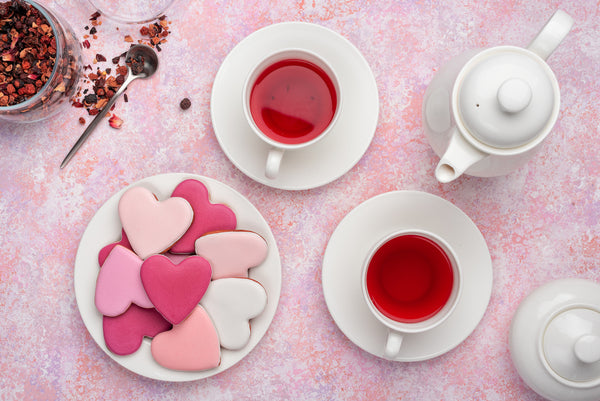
[149, 68]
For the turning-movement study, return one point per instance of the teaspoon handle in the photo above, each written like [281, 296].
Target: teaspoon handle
[90, 128]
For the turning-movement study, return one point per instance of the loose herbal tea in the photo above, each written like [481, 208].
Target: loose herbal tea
[28, 52]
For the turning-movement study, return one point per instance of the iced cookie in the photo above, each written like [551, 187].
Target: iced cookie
[152, 226]
[191, 345]
[175, 289]
[103, 254]
[118, 284]
[207, 216]
[232, 253]
[176, 258]
[123, 334]
[231, 303]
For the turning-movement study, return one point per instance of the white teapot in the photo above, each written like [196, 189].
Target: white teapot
[486, 111]
[555, 340]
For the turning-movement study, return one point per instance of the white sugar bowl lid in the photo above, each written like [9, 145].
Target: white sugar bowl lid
[571, 345]
[555, 340]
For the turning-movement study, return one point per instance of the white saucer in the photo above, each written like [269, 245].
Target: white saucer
[105, 228]
[358, 232]
[331, 157]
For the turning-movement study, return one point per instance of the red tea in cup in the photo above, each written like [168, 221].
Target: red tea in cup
[293, 101]
[409, 278]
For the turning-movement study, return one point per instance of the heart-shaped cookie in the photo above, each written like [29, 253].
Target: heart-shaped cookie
[123, 334]
[118, 284]
[103, 254]
[152, 227]
[231, 303]
[232, 253]
[191, 345]
[175, 290]
[207, 216]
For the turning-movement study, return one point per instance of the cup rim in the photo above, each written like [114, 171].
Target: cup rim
[271, 58]
[447, 309]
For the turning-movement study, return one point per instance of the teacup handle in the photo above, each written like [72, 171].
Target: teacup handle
[555, 30]
[393, 344]
[273, 163]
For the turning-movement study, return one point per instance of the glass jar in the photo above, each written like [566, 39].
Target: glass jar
[132, 11]
[55, 94]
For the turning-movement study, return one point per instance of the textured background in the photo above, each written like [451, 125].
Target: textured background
[540, 222]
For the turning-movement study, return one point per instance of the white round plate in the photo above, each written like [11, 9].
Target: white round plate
[329, 158]
[105, 228]
[378, 217]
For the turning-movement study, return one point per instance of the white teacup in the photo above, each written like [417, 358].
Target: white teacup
[411, 281]
[291, 100]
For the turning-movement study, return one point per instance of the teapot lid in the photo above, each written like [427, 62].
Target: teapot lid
[571, 344]
[506, 97]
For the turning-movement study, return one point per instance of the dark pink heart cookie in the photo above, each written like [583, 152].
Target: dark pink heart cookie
[175, 290]
[104, 252]
[208, 217]
[123, 334]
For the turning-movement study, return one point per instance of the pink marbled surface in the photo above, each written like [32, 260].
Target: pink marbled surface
[540, 222]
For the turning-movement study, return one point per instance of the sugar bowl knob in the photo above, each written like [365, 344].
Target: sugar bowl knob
[587, 349]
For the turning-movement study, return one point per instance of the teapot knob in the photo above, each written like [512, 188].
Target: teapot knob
[587, 349]
[514, 95]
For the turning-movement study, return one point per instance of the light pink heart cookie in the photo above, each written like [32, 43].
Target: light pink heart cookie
[190, 346]
[207, 216]
[118, 284]
[123, 334]
[176, 258]
[175, 290]
[152, 227]
[232, 253]
[232, 303]
[103, 254]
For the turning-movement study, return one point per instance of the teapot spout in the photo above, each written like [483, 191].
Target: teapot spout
[459, 156]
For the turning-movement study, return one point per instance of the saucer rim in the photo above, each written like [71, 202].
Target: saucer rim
[482, 285]
[357, 147]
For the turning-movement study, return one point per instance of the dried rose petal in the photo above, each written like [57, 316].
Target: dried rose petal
[115, 122]
[8, 57]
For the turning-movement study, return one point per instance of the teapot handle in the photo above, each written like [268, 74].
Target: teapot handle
[555, 30]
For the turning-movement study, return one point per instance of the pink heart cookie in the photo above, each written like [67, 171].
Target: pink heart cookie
[152, 227]
[191, 345]
[118, 284]
[123, 334]
[207, 216]
[103, 254]
[175, 289]
[232, 253]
